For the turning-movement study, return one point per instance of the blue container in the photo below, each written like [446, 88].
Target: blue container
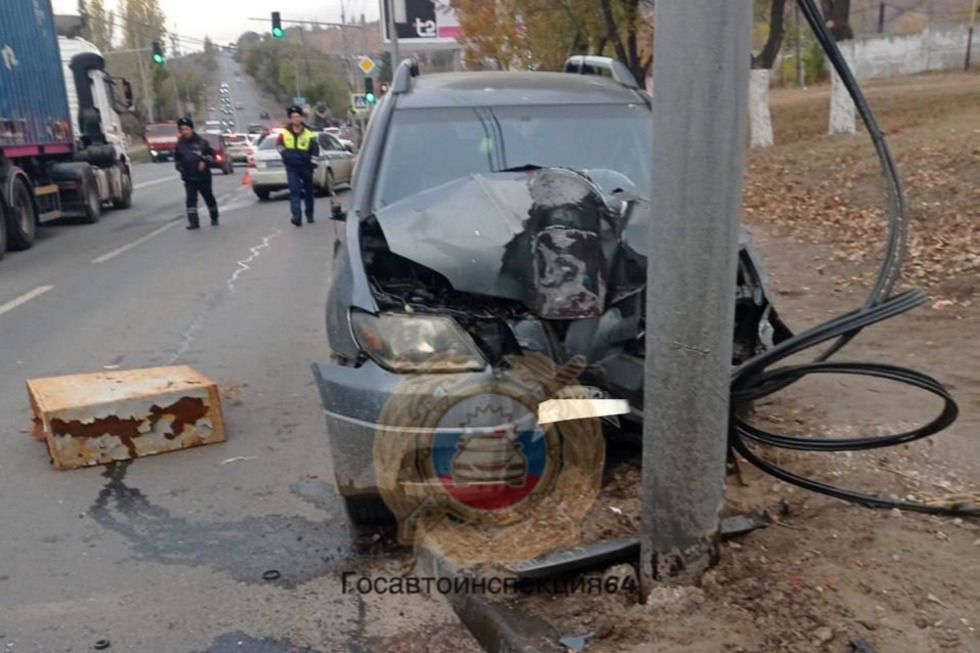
[33, 103]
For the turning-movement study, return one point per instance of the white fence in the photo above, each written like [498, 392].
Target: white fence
[938, 47]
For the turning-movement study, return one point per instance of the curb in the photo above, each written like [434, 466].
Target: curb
[498, 627]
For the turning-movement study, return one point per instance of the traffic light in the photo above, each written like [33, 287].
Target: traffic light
[277, 25]
[157, 53]
[369, 95]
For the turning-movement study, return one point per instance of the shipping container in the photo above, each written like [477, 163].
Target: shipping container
[33, 104]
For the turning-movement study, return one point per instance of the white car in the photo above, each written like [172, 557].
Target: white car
[335, 165]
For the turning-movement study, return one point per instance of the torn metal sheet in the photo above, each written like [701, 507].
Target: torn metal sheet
[95, 419]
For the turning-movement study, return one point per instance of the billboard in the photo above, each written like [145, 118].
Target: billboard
[422, 22]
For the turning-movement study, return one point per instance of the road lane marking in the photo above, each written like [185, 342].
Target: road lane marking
[139, 241]
[147, 184]
[23, 299]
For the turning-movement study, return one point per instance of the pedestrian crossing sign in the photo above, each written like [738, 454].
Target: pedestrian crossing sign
[359, 103]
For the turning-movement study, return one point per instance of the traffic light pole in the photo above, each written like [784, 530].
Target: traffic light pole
[701, 72]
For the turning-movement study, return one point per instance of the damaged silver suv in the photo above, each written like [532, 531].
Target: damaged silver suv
[497, 213]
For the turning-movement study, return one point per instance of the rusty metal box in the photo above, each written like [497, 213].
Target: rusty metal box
[94, 419]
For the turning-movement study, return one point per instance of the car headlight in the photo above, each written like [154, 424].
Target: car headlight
[153, 152]
[416, 343]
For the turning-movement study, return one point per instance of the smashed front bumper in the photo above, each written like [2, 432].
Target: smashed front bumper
[353, 401]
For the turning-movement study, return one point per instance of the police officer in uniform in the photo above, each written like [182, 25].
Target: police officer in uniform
[193, 157]
[299, 148]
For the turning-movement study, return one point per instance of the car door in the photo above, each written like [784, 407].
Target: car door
[341, 160]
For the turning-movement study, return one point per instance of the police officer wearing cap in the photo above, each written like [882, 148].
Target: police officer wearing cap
[193, 157]
[299, 149]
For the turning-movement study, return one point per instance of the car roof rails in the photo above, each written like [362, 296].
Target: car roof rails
[402, 80]
[587, 64]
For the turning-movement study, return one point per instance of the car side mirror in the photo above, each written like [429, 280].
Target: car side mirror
[338, 213]
[349, 148]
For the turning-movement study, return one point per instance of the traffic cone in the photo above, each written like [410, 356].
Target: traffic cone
[247, 179]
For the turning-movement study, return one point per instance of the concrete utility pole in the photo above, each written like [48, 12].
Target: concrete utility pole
[881, 18]
[343, 36]
[393, 33]
[146, 89]
[701, 81]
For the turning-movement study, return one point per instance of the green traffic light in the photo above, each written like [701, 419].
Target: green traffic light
[370, 98]
[158, 58]
[277, 32]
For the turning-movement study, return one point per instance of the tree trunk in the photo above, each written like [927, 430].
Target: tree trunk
[837, 14]
[767, 57]
[759, 119]
[843, 113]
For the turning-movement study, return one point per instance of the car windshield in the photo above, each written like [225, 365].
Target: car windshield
[215, 140]
[429, 147]
[236, 139]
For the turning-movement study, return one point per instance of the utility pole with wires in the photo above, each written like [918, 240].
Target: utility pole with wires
[700, 116]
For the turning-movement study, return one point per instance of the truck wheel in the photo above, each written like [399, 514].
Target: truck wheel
[20, 218]
[90, 195]
[262, 194]
[126, 200]
[368, 510]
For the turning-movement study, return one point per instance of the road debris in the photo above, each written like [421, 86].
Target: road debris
[238, 459]
[272, 574]
[102, 644]
[575, 642]
[99, 418]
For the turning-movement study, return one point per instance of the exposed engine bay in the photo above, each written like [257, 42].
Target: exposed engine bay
[541, 259]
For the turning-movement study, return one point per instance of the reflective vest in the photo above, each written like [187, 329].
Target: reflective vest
[291, 141]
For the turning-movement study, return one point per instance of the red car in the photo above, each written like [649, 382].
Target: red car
[222, 159]
[161, 139]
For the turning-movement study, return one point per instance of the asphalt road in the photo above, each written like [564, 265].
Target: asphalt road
[244, 92]
[167, 553]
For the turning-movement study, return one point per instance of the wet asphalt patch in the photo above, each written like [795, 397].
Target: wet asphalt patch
[299, 549]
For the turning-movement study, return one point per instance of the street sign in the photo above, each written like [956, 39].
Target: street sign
[299, 101]
[366, 64]
[359, 103]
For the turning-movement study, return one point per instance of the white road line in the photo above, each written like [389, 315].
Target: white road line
[23, 299]
[139, 241]
[147, 184]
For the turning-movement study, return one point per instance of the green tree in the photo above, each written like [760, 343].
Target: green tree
[541, 34]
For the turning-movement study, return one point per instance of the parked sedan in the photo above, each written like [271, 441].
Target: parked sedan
[334, 166]
[239, 146]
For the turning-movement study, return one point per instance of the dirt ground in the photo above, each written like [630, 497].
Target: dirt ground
[829, 572]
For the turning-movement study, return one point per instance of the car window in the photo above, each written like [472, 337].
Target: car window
[334, 143]
[429, 147]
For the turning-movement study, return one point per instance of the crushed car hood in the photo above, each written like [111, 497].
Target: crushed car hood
[536, 236]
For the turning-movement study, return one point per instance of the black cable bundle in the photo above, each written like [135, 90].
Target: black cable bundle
[753, 379]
